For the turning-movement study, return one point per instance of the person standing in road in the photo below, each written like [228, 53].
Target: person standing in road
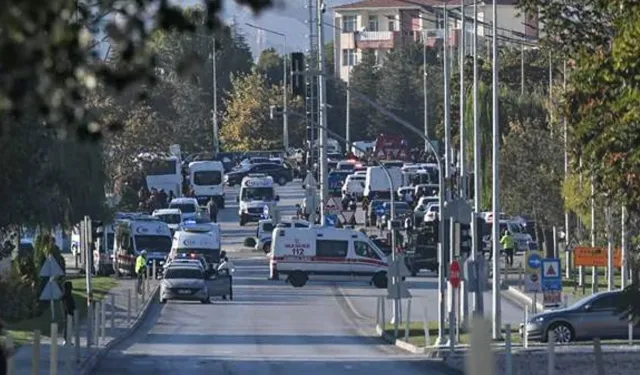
[226, 268]
[508, 244]
[69, 305]
[141, 269]
[212, 209]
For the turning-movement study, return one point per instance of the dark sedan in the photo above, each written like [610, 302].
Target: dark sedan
[280, 173]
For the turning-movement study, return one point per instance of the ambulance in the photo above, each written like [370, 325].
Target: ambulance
[326, 253]
[136, 233]
[198, 239]
[256, 192]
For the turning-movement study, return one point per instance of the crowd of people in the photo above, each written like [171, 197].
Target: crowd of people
[150, 200]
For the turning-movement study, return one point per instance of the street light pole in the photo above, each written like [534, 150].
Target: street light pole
[497, 328]
[322, 121]
[216, 139]
[463, 167]
[447, 102]
[478, 307]
[285, 91]
[425, 91]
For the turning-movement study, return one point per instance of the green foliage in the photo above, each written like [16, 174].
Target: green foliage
[57, 63]
[270, 65]
[19, 299]
[247, 125]
[364, 78]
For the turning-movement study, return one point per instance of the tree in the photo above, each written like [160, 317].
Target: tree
[364, 77]
[270, 65]
[247, 125]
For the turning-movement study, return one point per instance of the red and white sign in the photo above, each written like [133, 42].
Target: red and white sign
[392, 147]
[454, 274]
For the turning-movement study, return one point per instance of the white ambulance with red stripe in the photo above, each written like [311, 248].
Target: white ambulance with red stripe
[325, 253]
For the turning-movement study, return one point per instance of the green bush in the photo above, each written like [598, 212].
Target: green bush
[19, 300]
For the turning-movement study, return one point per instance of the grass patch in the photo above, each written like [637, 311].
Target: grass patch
[22, 331]
[417, 337]
[571, 286]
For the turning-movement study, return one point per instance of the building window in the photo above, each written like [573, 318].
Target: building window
[392, 25]
[348, 57]
[373, 23]
[349, 24]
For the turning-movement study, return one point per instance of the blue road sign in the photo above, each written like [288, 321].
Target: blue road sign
[265, 212]
[551, 279]
[534, 260]
[331, 220]
[380, 211]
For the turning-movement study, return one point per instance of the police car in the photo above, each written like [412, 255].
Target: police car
[256, 193]
[325, 253]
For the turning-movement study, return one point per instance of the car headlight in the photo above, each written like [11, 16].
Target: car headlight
[539, 319]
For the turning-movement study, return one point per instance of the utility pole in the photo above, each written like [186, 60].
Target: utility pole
[478, 301]
[425, 91]
[594, 270]
[610, 250]
[625, 249]
[322, 110]
[447, 99]
[214, 115]
[567, 254]
[285, 99]
[463, 166]
[347, 130]
[497, 326]
[311, 78]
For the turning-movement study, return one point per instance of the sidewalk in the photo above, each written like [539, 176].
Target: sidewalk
[72, 359]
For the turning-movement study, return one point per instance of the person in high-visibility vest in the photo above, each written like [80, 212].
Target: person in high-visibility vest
[141, 269]
[508, 244]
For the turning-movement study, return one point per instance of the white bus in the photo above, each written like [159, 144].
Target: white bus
[162, 171]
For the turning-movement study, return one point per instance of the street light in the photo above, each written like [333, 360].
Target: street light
[285, 100]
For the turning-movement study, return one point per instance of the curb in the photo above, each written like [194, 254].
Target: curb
[514, 295]
[89, 363]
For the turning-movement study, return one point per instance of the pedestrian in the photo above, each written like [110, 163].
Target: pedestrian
[508, 244]
[162, 198]
[226, 268]
[141, 269]
[171, 197]
[212, 209]
[69, 305]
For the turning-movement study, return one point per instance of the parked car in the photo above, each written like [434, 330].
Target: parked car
[280, 173]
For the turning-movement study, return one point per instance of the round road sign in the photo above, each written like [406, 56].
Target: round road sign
[454, 274]
[534, 260]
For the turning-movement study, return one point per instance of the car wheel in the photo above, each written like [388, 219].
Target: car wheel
[562, 331]
[298, 279]
[380, 280]
[282, 180]
[266, 248]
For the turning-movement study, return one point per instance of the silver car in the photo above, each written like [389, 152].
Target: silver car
[593, 316]
[184, 282]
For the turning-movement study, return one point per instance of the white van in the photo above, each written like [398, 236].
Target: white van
[376, 182]
[206, 180]
[171, 216]
[326, 253]
[188, 206]
[354, 185]
[265, 230]
[256, 192]
[203, 239]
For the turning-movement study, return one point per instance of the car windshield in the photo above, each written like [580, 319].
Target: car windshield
[152, 244]
[183, 273]
[206, 178]
[170, 218]
[257, 194]
[185, 208]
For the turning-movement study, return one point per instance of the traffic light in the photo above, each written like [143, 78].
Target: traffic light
[297, 71]
[465, 240]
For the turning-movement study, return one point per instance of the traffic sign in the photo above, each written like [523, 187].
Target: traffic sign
[51, 268]
[596, 256]
[380, 211]
[534, 260]
[51, 291]
[398, 268]
[347, 216]
[454, 274]
[532, 275]
[332, 206]
[310, 182]
[265, 212]
[551, 275]
[330, 220]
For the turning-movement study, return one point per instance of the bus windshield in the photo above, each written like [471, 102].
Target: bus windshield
[207, 178]
[257, 194]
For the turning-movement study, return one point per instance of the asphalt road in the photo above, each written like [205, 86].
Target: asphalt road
[269, 328]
